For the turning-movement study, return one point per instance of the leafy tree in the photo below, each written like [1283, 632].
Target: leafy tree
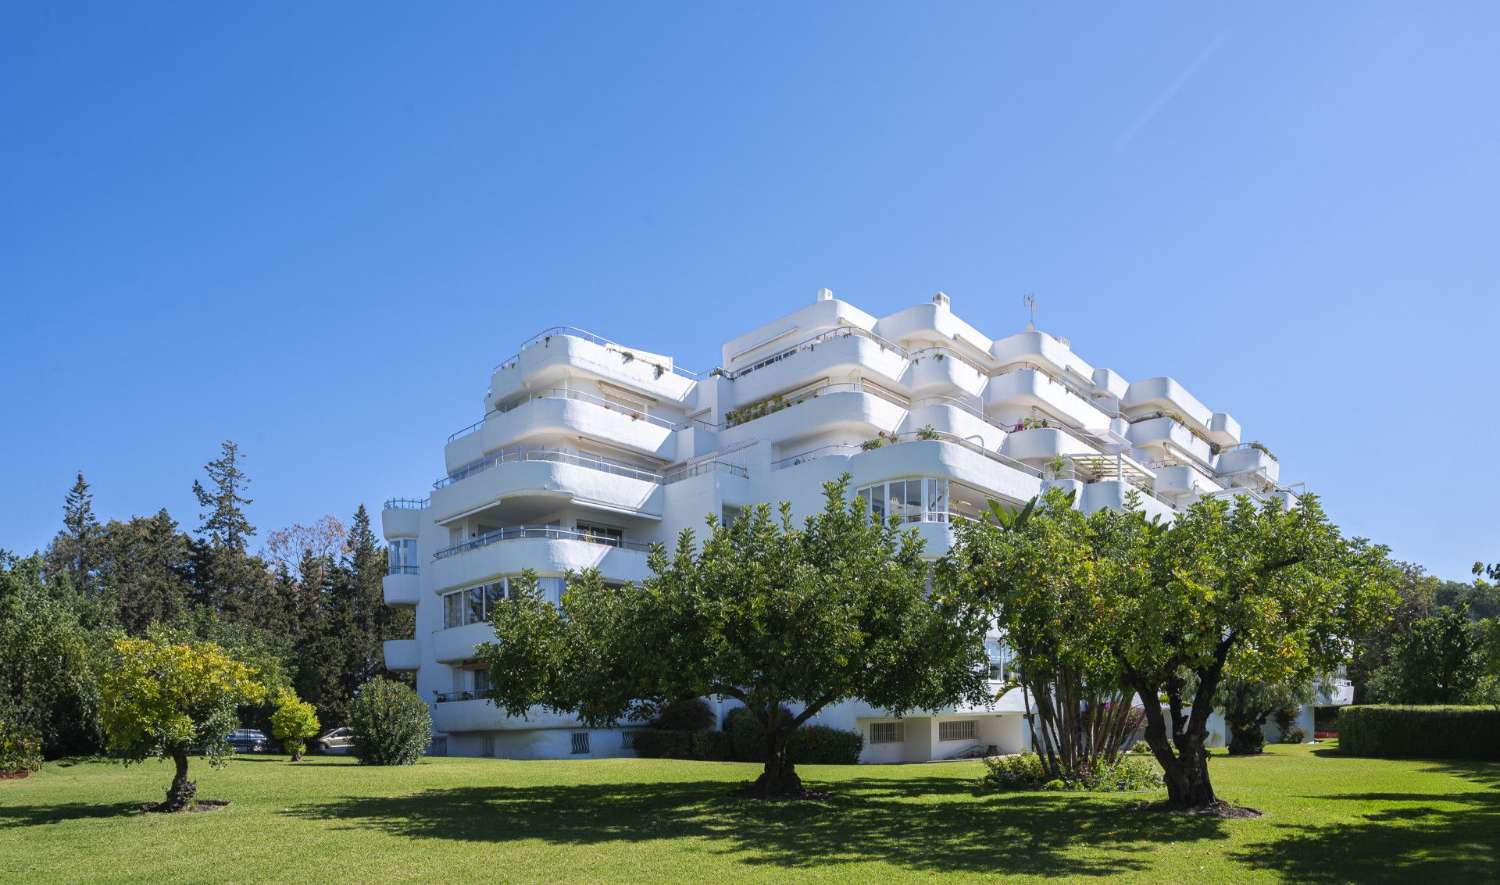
[161, 699]
[48, 662]
[1265, 593]
[1041, 572]
[1246, 704]
[1439, 660]
[294, 722]
[392, 724]
[766, 613]
[1416, 598]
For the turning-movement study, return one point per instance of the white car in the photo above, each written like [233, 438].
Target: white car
[338, 742]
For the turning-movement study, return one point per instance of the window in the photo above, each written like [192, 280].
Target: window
[903, 499]
[937, 501]
[474, 608]
[475, 604]
[481, 682]
[453, 610]
[580, 743]
[961, 730]
[401, 557]
[999, 655]
[601, 534]
[487, 745]
[887, 733]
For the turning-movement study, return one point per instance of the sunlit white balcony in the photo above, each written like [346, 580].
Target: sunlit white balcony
[1052, 355]
[857, 407]
[547, 549]
[1167, 435]
[1168, 397]
[549, 358]
[1022, 393]
[942, 370]
[589, 480]
[458, 643]
[402, 517]
[1249, 462]
[564, 412]
[461, 711]
[836, 353]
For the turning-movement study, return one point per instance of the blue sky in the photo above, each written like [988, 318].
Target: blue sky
[314, 231]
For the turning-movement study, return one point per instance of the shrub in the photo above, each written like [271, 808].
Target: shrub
[688, 714]
[20, 746]
[1293, 735]
[392, 725]
[824, 745]
[294, 721]
[1024, 772]
[808, 744]
[704, 745]
[1420, 732]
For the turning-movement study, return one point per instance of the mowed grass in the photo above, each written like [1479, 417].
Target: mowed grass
[1328, 818]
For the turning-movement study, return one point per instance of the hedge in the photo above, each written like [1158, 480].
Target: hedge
[1420, 732]
[743, 740]
[665, 743]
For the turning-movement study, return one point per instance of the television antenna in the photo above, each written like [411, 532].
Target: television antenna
[1030, 302]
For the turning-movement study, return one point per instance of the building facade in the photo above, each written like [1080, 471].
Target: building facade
[590, 451]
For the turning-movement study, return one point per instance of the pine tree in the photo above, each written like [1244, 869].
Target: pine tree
[147, 568]
[224, 522]
[75, 552]
[228, 579]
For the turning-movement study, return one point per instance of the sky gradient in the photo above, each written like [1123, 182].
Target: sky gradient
[314, 231]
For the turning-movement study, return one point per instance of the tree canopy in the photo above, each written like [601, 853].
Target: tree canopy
[766, 612]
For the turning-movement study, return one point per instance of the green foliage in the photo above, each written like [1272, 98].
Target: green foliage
[20, 744]
[704, 745]
[1026, 771]
[1246, 704]
[765, 612]
[687, 714]
[162, 699]
[1436, 732]
[49, 660]
[294, 722]
[392, 724]
[927, 431]
[1439, 660]
[808, 744]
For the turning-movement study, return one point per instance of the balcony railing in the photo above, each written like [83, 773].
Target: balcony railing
[581, 396]
[814, 341]
[547, 532]
[558, 456]
[445, 697]
[584, 334]
[405, 504]
[772, 405]
[845, 449]
[703, 467]
[402, 570]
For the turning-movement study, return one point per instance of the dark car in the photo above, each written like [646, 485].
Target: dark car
[249, 740]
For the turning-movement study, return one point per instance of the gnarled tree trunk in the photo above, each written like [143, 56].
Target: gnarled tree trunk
[779, 778]
[180, 794]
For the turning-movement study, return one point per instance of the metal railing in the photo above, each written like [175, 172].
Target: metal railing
[580, 396]
[592, 462]
[446, 697]
[948, 353]
[584, 334]
[703, 467]
[814, 341]
[955, 402]
[402, 570]
[405, 504]
[804, 395]
[843, 449]
[547, 532]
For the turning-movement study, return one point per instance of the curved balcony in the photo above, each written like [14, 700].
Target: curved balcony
[1041, 349]
[457, 643]
[855, 408]
[547, 549]
[1014, 395]
[958, 417]
[402, 589]
[1166, 433]
[402, 518]
[940, 370]
[551, 356]
[1165, 395]
[588, 480]
[913, 455]
[1249, 462]
[836, 353]
[1044, 444]
[1223, 429]
[402, 654]
[563, 412]
[462, 711]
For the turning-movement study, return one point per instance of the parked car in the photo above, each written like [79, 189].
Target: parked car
[337, 742]
[249, 740]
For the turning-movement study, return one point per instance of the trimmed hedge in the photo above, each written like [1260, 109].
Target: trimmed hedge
[1396, 732]
[809, 744]
[664, 743]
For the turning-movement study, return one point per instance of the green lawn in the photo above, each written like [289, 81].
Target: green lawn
[1327, 818]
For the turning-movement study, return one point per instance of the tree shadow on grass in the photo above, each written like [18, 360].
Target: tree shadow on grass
[1437, 836]
[15, 816]
[866, 819]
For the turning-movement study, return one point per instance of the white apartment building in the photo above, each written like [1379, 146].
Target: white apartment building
[589, 451]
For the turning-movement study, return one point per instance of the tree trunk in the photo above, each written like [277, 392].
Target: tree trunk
[180, 794]
[1188, 786]
[779, 777]
[1245, 738]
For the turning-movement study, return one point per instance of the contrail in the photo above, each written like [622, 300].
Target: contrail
[1168, 93]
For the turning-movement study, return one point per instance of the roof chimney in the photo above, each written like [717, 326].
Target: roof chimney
[940, 299]
[825, 294]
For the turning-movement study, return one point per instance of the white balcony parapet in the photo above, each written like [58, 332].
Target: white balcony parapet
[549, 532]
[850, 449]
[402, 588]
[813, 342]
[575, 332]
[558, 456]
[402, 654]
[702, 467]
